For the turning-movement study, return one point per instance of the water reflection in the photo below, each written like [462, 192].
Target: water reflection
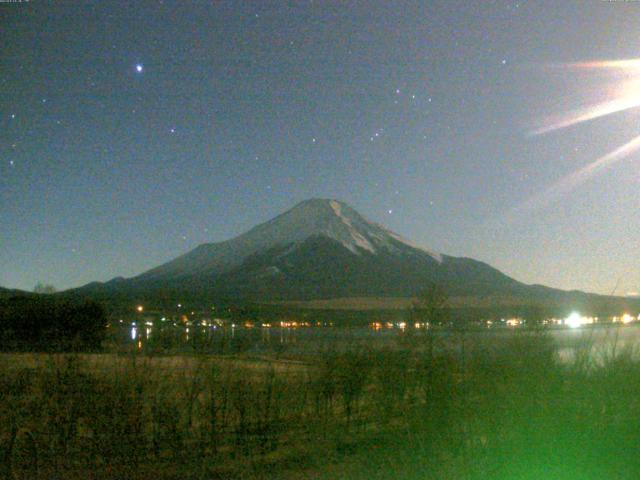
[597, 342]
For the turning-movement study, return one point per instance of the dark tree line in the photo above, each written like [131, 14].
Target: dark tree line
[50, 324]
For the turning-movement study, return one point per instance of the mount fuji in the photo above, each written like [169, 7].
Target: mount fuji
[319, 249]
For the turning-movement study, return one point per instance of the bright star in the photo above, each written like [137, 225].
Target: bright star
[139, 68]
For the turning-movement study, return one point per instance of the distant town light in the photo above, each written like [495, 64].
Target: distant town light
[514, 322]
[576, 320]
[626, 318]
[140, 308]
[573, 320]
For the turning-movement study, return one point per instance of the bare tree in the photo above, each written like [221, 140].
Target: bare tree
[431, 307]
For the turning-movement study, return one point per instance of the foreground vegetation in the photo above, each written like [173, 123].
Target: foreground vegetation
[423, 408]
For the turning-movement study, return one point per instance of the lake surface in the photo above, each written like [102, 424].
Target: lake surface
[597, 341]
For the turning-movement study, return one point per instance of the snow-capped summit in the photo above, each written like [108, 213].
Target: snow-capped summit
[311, 218]
[320, 248]
[333, 219]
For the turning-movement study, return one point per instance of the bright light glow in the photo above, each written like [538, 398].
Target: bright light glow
[570, 182]
[625, 102]
[140, 308]
[134, 333]
[626, 318]
[628, 64]
[625, 95]
[139, 68]
[576, 320]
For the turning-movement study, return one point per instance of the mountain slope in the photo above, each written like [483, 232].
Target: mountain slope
[9, 293]
[318, 249]
[316, 217]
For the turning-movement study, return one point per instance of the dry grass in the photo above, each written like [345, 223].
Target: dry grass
[471, 410]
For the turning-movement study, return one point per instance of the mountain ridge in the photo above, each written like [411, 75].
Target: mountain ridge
[319, 249]
[316, 216]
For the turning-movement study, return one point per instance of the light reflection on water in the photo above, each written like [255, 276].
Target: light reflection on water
[597, 343]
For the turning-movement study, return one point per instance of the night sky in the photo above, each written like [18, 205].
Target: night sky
[131, 132]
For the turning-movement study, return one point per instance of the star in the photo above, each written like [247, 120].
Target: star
[504, 61]
[173, 130]
[139, 68]
[13, 115]
[11, 162]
